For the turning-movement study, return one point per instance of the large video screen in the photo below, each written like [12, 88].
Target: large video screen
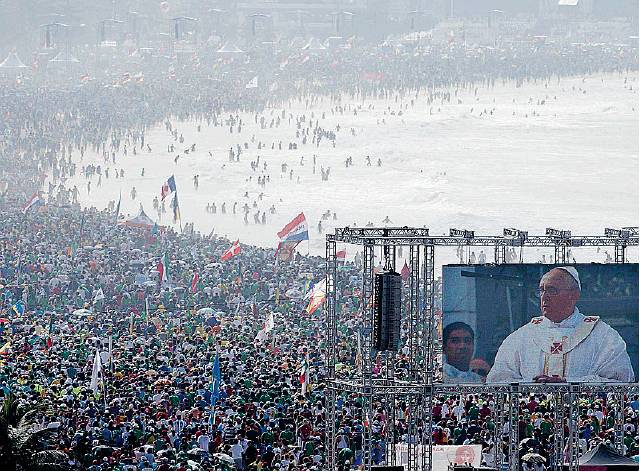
[540, 323]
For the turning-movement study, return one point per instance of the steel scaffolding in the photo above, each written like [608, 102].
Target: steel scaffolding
[383, 380]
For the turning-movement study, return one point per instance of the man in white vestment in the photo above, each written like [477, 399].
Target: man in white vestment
[562, 345]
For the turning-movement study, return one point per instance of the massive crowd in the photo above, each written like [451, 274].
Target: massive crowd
[88, 284]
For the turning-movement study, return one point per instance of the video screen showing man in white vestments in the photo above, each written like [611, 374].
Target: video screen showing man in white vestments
[547, 324]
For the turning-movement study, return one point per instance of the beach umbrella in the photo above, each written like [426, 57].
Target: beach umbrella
[102, 451]
[223, 457]
[524, 442]
[533, 457]
[293, 293]
[205, 311]
[82, 312]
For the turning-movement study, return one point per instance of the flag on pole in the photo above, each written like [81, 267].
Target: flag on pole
[194, 282]
[270, 323]
[163, 268]
[308, 286]
[168, 187]
[146, 316]
[267, 327]
[98, 296]
[405, 272]
[341, 255]
[118, 207]
[290, 236]
[253, 83]
[18, 308]
[318, 295]
[34, 202]
[304, 375]
[111, 351]
[295, 230]
[97, 373]
[234, 250]
[359, 352]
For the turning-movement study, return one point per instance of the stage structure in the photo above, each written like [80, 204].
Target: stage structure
[381, 380]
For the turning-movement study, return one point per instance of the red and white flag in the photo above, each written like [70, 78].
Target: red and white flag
[341, 255]
[34, 202]
[304, 374]
[194, 281]
[234, 250]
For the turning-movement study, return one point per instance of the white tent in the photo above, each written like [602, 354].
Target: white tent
[64, 57]
[12, 62]
[141, 220]
[313, 45]
[229, 49]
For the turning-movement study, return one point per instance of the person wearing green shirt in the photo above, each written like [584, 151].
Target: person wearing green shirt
[546, 426]
[628, 441]
[595, 424]
[265, 397]
[174, 400]
[345, 455]
[267, 437]
[308, 448]
[287, 436]
[529, 429]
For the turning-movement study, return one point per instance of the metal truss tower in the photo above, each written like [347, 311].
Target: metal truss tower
[382, 382]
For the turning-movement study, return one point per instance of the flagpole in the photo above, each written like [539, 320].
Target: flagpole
[19, 270]
[81, 229]
[273, 341]
[118, 207]
[104, 387]
[146, 316]
[179, 215]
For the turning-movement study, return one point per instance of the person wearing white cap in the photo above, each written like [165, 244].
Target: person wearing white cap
[562, 345]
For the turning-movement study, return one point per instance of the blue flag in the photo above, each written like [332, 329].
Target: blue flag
[215, 380]
[18, 308]
[171, 183]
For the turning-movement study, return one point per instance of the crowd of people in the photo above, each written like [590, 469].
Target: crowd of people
[159, 306]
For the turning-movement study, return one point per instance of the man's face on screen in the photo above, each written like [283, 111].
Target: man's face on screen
[459, 349]
[558, 295]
